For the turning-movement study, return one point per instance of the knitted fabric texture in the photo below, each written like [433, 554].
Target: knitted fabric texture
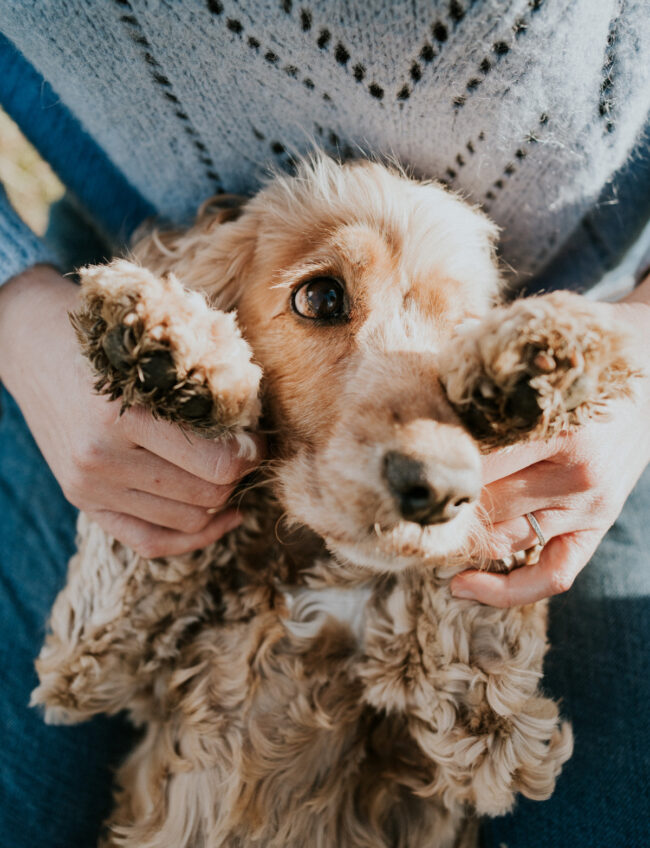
[19, 247]
[524, 106]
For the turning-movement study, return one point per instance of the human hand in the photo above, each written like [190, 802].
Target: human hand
[575, 485]
[157, 489]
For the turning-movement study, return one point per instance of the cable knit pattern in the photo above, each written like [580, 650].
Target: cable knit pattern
[525, 106]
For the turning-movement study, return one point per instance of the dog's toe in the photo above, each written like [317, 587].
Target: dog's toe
[536, 367]
[152, 343]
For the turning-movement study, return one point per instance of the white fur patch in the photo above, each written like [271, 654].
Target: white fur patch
[309, 609]
[466, 326]
[246, 447]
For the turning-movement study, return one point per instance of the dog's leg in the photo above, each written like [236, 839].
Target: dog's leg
[536, 367]
[155, 344]
[121, 623]
[466, 677]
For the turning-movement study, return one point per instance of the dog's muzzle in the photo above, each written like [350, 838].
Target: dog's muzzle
[428, 495]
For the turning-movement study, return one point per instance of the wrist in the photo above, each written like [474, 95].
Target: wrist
[641, 293]
[634, 312]
[34, 326]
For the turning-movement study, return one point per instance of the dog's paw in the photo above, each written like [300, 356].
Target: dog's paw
[525, 758]
[153, 343]
[536, 367]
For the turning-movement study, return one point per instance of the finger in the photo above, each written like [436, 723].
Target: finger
[220, 462]
[156, 510]
[508, 461]
[542, 485]
[152, 541]
[516, 534]
[147, 472]
[561, 560]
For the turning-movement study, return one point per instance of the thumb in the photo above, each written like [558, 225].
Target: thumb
[560, 562]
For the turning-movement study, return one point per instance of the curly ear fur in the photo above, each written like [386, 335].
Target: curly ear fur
[211, 256]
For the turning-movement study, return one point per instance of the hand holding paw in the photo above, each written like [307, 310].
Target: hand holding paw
[575, 486]
[154, 487]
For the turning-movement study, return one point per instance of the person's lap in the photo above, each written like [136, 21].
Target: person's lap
[55, 781]
[599, 667]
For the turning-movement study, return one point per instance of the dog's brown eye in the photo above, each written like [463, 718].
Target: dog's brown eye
[320, 297]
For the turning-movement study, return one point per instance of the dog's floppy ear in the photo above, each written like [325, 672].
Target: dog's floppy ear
[212, 255]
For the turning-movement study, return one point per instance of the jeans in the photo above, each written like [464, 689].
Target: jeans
[55, 781]
[599, 666]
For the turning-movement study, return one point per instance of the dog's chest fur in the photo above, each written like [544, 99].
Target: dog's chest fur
[309, 609]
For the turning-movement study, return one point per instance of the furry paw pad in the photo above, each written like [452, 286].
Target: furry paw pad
[155, 344]
[536, 367]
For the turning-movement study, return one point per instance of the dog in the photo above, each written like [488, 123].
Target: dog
[309, 680]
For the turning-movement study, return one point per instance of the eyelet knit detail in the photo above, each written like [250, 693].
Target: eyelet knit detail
[178, 94]
[509, 169]
[606, 99]
[500, 48]
[137, 35]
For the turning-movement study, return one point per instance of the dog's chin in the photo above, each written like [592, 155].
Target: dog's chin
[366, 531]
[407, 544]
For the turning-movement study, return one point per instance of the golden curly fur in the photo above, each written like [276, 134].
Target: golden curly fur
[310, 680]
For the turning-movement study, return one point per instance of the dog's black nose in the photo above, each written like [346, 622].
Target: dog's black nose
[421, 500]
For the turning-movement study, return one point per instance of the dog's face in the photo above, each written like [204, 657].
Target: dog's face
[348, 280]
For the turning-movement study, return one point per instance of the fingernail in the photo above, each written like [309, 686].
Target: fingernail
[463, 593]
[214, 510]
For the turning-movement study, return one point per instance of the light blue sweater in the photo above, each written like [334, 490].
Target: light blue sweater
[533, 108]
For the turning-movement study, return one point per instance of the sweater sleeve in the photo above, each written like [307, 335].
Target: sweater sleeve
[99, 188]
[20, 248]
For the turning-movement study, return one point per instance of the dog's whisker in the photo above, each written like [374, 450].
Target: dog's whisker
[378, 529]
[277, 525]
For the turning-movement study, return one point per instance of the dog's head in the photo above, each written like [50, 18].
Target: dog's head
[348, 280]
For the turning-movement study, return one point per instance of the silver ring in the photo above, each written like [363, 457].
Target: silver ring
[537, 530]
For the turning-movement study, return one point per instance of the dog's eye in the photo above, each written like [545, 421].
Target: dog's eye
[320, 297]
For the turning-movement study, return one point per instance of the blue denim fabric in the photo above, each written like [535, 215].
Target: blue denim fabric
[599, 666]
[54, 781]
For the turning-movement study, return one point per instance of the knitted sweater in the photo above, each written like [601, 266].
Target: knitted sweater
[527, 107]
